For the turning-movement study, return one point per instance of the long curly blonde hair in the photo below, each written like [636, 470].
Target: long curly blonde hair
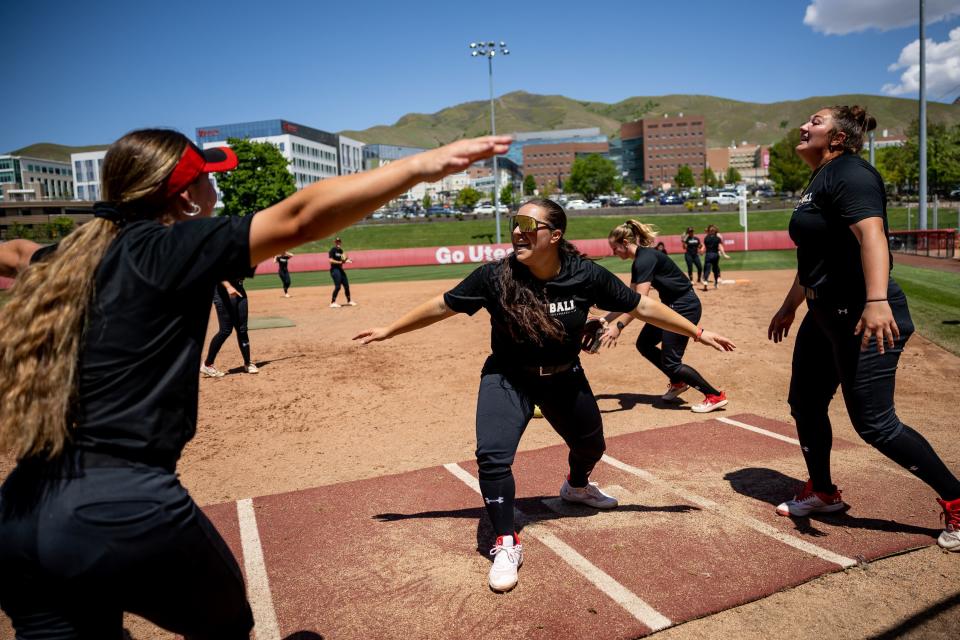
[42, 324]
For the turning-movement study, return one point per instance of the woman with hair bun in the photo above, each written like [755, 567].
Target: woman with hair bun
[99, 344]
[857, 321]
[539, 300]
[632, 240]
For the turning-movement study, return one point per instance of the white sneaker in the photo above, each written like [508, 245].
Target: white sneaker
[711, 403]
[950, 537]
[211, 372]
[351, 304]
[590, 495]
[674, 391]
[286, 295]
[507, 558]
[809, 501]
[251, 368]
[334, 305]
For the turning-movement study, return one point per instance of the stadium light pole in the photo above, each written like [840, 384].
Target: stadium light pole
[489, 50]
[923, 122]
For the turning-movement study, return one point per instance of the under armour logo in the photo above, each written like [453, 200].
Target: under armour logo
[914, 468]
[842, 312]
[805, 449]
[497, 500]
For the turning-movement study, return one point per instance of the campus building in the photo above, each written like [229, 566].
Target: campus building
[87, 168]
[752, 161]
[560, 136]
[655, 148]
[376, 155]
[312, 154]
[551, 163]
[27, 178]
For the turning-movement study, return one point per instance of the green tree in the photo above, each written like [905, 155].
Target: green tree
[732, 176]
[63, 226]
[709, 177]
[547, 189]
[591, 175]
[468, 198]
[787, 170]
[507, 195]
[260, 180]
[529, 185]
[427, 202]
[17, 230]
[684, 178]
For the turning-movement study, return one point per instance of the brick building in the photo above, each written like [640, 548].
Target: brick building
[655, 148]
[551, 163]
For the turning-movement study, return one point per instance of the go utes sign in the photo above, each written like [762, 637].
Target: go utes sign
[474, 253]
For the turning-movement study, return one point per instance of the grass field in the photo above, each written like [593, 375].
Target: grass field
[460, 232]
[934, 298]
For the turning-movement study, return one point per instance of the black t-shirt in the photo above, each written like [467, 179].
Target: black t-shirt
[282, 261]
[844, 191]
[692, 244]
[711, 244]
[139, 360]
[336, 253]
[581, 284]
[650, 265]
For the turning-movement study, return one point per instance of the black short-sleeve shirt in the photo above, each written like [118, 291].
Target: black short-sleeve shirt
[711, 243]
[336, 253]
[282, 261]
[844, 191]
[581, 284]
[692, 245]
[139, 360]
[650, 265]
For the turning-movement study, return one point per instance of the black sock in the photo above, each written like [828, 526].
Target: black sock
[498, 496]
[692, 377]
[912, 452]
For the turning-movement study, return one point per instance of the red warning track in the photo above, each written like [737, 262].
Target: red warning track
[695, 533]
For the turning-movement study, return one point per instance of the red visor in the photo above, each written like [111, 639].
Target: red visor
[195, 161]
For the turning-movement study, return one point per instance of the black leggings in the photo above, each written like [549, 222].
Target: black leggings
[339, 278]
[692, 260]
[505, 406]
[284, 278]
[827, 355]
[231, 314]
[669, 359]
[711, 261]
[79, 548]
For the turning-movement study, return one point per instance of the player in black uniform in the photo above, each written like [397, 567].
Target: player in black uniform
[631, 241]
[691, 246]
[283, 270]
[337, 259]
[100, 340]
[230, 301]
[857, 320]
[712, 250]
[538, 300]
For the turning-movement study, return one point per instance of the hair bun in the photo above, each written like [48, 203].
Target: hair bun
[864, 120]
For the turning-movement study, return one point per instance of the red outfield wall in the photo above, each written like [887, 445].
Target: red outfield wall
[476, 253]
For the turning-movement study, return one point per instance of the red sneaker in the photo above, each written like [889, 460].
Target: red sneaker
[950, 538]
[809, 501]
[710, 403]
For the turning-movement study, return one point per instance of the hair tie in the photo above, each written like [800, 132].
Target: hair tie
[108, 211]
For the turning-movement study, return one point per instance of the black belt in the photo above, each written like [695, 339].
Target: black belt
[549, 370]
[127, 459]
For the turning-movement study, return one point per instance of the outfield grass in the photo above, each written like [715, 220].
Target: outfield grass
[448, 232]
[934, 298]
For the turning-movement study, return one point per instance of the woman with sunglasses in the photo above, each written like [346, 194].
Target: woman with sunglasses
[99, 387]
[539, 300]
[632, 241]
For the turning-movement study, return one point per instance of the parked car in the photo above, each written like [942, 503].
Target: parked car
[594, 204]
[626, 202]
[671, 198]
[577, 204]
[724, 197]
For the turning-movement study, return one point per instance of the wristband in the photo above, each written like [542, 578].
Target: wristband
[696, 338]
[620, 326]
[877, 300]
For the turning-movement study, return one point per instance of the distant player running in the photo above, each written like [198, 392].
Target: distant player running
[691, 254]
[337, 259]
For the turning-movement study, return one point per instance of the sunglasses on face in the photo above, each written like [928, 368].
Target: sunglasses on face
[526, 224]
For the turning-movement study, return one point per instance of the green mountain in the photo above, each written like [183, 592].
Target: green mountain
[726, 120]
[50, 151]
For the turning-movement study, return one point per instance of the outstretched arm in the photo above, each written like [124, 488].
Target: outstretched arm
[660, 315]
[424, 315]
[15, 256]
[330, 205]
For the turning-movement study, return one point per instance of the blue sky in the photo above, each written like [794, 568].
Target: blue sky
[85, 73]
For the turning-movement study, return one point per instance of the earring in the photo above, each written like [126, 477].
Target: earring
[194, 210]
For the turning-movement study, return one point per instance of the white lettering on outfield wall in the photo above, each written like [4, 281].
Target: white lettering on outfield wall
[474, 253]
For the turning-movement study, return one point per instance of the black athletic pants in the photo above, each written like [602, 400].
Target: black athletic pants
[826, 355]
[505, 406]
[669, 357]
[693, 259]
[231, 314]
[711, 261]
[79, 547]
[285, 279]
[339, 279]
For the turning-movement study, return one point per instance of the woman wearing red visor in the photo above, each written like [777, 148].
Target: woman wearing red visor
[100, 341]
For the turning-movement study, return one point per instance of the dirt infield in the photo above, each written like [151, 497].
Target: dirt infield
[325, 411]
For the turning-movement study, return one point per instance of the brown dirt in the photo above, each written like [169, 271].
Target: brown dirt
[326, 410]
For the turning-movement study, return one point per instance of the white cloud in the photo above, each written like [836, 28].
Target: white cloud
[943, 67]
[839, 17]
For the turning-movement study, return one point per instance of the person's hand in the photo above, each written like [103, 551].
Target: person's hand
[459, 155]
[780, 324]
[375, 334]
[233, 293]
[716, 341]
[877, 321]
[609, 337]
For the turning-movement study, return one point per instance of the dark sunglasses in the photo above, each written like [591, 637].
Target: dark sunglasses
[529, 223]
